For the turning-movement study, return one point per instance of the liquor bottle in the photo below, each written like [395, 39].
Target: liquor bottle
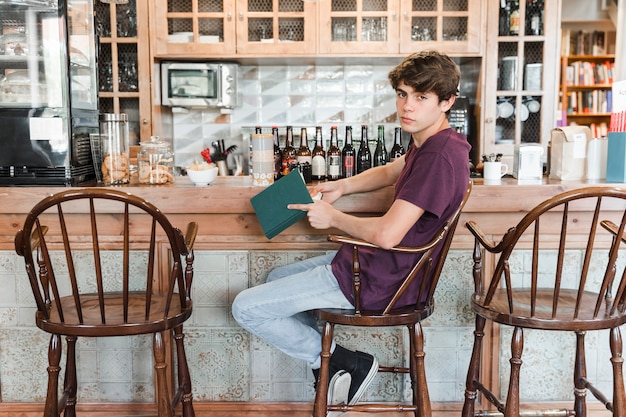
[319, 156]
[503, 23]
[289, 153]
[380, 153]
[364, 155]
[333, 157]
[304, 153]
[514, 18]
[534, 21]
[278, 154]
[397, 150]
[348, 167]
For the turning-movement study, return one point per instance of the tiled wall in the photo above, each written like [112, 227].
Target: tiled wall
[301, 96]
[228, 364]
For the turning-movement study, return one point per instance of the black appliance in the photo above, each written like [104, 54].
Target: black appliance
[48, 92]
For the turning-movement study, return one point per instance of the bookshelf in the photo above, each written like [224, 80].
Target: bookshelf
[586, 79]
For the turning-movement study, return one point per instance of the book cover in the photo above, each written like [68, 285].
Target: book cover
[270, 205]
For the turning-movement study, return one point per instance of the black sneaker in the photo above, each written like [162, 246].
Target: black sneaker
[362, 376]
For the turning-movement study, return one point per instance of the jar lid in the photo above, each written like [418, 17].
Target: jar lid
[113, 117]
[155, 143]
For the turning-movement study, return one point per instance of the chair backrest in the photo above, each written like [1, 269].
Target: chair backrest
[437, 252]
[430, 259]
[94, 243]
[552, 262]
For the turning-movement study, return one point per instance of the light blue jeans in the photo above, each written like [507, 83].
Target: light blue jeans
[278, 311]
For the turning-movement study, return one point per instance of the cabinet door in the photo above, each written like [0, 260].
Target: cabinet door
[520, 77]
[194, 28]
[451, 26]
[359, 27]
[124, 63]
[276, 27]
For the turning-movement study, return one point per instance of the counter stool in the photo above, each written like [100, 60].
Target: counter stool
[554, 292]
[429, 263]
[78, 294]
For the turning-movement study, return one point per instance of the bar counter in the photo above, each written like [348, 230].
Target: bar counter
[227, 220]
[235, 374]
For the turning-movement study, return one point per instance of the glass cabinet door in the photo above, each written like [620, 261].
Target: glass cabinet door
[276, 27]
[521, 75]
[359, 26]
[453, 26]
[82, 54]
[32, 56]
[201, 28]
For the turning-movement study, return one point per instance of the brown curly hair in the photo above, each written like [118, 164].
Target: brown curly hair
[428, 72]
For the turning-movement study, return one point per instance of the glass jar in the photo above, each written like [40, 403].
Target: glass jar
[155, 162]
[114, 148]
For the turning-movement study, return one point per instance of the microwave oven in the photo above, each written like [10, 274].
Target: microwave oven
[199, 84]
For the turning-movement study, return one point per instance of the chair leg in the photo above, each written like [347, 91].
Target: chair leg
[580, 374]
[161, 390]
[70, 383]
[473, 373]
[51, 408]
[184, 379]
[421, 399]
[321, 393]
[619, 397]
[512, 399]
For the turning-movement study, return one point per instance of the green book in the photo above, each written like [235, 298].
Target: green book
[270, 204]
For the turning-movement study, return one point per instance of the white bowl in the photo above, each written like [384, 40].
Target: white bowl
[204, 177]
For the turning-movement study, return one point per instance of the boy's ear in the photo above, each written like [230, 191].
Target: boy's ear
[447, 104]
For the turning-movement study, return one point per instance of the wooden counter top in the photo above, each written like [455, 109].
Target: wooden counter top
[227, 219]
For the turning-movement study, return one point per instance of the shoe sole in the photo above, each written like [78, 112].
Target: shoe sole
[366, 382]
[338, 390]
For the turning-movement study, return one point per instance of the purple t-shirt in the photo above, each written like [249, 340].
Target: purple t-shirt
[435, 178]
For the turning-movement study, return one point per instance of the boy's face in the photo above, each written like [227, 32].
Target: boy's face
[419, 111]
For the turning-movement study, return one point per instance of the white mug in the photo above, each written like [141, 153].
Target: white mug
[494, 170]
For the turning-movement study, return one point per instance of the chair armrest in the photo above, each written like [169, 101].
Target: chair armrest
[487, 243]
[612, 228]
[401, 249]
[190, 235]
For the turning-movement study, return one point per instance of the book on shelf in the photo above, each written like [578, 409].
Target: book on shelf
[585, 73]
[582, 42]
[270, 205]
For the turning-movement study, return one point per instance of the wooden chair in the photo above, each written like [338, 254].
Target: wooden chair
[78, 293]
[554, 294]
[410, 316]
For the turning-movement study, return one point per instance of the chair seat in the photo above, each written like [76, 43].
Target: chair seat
[398, 317]
[135, 323]
[498, 311]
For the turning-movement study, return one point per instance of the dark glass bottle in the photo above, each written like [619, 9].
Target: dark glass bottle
[380, 153]
[278, 154]
[289, 152]
[319, 156]
[304, 153]
[348, 154]
[503, 23]
[364, 155]
[534, 21]
[333, 157]
[397, 150]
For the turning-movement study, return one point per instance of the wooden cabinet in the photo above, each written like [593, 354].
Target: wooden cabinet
[350, 27]
[193, 28]
[585, 90]
[208, 29]
[124, 63]
[269, 28]
[520, 77]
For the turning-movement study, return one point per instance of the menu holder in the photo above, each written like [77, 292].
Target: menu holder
[270, 205]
